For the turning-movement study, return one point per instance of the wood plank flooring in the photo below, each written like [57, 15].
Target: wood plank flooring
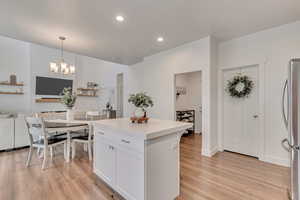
[226, 176]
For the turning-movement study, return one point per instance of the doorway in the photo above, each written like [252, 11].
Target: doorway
[188, 100]
[241, 131]
[120, 94]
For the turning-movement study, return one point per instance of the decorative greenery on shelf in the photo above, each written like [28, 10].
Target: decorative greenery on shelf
[68, 99]
[141, 100]
[240, 86]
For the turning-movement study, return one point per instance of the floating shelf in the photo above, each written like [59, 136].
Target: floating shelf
[86, 95]
[88, 89]
[47, 100]
[19, 93]
[9, 84]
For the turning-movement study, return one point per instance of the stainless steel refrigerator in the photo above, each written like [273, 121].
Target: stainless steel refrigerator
[291, 116]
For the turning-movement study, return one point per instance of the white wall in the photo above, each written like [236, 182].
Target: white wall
[14, 59]
[28, 60]
[40, 57]
[105, 74]
[192, 100]
[272, 49]
[155, 75]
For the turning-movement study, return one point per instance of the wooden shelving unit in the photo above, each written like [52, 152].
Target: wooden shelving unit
[4, 83]
[88, 89]
[187, 116]
[86, 95]
[9, 84]
[47, 100]
[87, 92]
[18, 93]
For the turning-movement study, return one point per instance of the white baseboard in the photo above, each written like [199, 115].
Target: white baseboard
[276, 160]
[210, 153]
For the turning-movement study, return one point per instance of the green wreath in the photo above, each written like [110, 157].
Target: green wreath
[240, 86]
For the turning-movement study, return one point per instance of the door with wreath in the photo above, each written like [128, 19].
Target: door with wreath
[240, 110]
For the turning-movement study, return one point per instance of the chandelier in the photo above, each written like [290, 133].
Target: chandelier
[61, 66]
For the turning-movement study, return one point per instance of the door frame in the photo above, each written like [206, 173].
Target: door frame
[261, 90]
[204, 137]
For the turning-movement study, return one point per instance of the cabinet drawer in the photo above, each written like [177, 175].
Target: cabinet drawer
[120, 140]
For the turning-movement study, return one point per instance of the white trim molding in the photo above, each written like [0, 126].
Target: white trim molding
[211, 152]
[276, 160]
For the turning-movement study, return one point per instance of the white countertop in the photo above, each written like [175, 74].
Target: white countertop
[153, 129]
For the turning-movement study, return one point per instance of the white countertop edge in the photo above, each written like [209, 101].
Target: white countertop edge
[140, 134]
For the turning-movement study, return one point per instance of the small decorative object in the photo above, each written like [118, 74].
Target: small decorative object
[92, 85]
[240, 86]
[108, 106]
[141, 101]
[68, 99]
[180, 91]
[13, 79]
[139, 120]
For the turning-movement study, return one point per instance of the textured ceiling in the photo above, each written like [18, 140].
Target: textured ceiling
[91, 29]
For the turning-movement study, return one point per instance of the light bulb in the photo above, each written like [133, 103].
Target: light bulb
[72, 69]
[53, 67]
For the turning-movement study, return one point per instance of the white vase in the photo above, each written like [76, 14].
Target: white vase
[139, 112]
[70, 114]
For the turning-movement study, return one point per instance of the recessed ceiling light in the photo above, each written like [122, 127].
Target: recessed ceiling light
[160, 39]
[120, 18]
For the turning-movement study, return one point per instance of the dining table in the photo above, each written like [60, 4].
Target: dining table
[59, 126]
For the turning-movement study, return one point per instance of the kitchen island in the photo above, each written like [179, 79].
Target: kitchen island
[139, 161]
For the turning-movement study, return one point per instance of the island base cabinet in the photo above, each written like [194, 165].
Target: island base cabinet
[137, 166]
[130, 174]
[119, 167]
[163, 170]
[104, 161]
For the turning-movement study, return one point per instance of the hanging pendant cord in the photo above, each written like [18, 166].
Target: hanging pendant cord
[62, 50]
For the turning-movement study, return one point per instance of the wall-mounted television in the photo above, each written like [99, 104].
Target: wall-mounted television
[51, 86]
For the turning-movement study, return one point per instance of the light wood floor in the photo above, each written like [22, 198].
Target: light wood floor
[226, 176]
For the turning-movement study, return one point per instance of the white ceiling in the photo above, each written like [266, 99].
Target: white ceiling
[91, 29]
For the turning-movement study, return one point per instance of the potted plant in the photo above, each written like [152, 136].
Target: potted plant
[68, 99]
[141, 101]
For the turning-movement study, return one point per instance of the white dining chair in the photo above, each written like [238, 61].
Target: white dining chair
[85, 140]
[40, 139]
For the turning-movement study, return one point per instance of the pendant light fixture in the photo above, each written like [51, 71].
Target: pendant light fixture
[61, 66]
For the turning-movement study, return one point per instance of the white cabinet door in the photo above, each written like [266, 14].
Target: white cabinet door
[21, 135]
[240, 116]
[6, 133]
[104, 159]
[130, 174]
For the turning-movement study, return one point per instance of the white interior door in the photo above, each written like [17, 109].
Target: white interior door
[240, 116]
[120, 94]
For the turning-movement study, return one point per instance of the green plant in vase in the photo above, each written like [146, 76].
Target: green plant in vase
[141, 101]
[68, 99]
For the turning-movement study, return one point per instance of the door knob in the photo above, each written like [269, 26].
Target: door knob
[255, 116]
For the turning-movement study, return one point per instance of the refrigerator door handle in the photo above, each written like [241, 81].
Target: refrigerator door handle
[286, 145]
[284, 116]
